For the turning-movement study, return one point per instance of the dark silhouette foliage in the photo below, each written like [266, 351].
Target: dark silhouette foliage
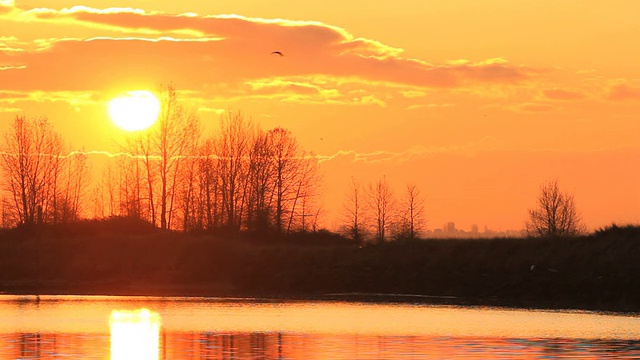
[125, 256]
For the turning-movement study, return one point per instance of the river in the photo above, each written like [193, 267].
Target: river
[95, 327]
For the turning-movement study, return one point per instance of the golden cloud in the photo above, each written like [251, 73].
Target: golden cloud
[227, 58]
[623, 90]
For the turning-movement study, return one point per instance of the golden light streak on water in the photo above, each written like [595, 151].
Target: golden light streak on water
[134, 334]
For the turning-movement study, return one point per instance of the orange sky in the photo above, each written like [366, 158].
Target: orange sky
[475, 102]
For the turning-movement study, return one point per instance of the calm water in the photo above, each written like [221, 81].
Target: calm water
[66, 327]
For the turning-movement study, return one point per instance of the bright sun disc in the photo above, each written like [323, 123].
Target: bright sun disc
[136, 110]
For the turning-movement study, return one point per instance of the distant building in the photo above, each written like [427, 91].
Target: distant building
[450, 228]
[449, 231]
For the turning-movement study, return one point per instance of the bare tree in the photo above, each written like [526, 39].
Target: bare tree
[307, 181]
[125, 182]
[412, 213]
[74, 180]
[7, 214]
[556, 214]
[261, 175]
[232, 147]
[286, 158]
[208, 187]
[188, 204]
[31, 160]
[354, 213]
[381, 203]
[143, 160]
[161, 150]
[177, 130]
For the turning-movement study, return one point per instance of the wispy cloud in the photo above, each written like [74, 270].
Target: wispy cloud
[412, 94]
[216, 111]
[412, 153]
[19, 67]
[9, 109]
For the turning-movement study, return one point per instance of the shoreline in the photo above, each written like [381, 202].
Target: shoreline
[202, 292]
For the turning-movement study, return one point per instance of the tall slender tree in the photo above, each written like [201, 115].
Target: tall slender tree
[381, 203]
[160, 153]
[354, 213]
[261, 173]
[232, 147]
[74, 180]
[306, 183]
[286, 153]
[411, 213]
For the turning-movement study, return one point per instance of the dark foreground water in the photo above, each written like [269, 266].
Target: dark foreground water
[72, 327]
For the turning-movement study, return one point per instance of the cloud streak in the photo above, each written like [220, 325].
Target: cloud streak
[367, 157]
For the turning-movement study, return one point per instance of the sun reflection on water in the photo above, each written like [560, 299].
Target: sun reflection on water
[134, 334]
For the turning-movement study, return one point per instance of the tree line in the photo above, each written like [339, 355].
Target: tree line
[375, 213]
[44, 183]
[240, 178]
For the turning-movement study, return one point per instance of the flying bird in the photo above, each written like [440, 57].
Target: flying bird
[277, 53]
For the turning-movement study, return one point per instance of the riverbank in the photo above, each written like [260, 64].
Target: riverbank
[597, 272]
[197, 292]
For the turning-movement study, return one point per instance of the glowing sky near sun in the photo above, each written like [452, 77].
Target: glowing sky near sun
[477, 103]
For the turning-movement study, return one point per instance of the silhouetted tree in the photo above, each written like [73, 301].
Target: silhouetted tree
[381, 203]
[125, 182]
[294, 181]
[7, 214]
[307, 181]
[74, 181]
[286, 158]
[354, 213]
[556, 214]
[411, 213]
[188, 204]
[177, 131]
[162, 150]
[315, 219]
[232, 147]
[261, 175]
[31, 160]
[208, 187]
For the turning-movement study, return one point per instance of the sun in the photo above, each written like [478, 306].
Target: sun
[135, 110]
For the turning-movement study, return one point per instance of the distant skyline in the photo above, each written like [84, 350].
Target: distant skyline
[477, 103]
